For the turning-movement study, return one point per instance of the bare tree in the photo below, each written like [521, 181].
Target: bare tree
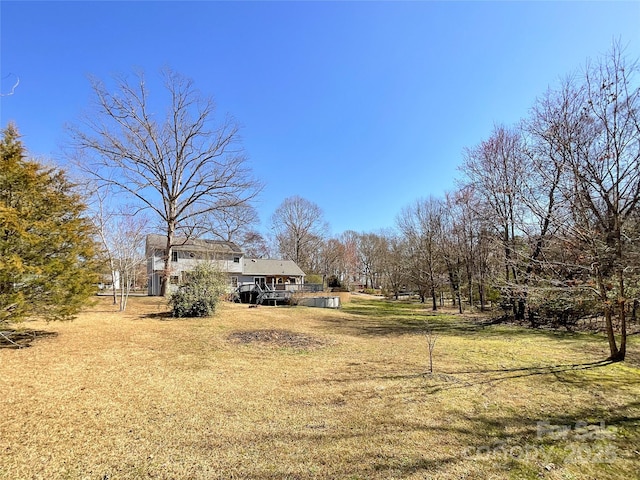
[371, 252]
[230, 224]
[254, 244]
[180, 165]
[122, 236]
[431, 337]
[495, 170]
[551, 133]
[605, 185]
[102, 219]
[299, 229]
[421, 225]
[349, 260]
[394, 263]
[332, 254]
[127, 245]
[467, 224]
[452, 243]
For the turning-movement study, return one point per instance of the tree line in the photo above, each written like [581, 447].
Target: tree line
[544, 220]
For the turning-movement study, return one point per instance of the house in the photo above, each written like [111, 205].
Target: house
[276, 274]
[229, 258]
[185, 254]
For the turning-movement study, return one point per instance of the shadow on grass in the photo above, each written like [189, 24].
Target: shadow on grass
[541, 370]
[461, 379]
[15, 338]
[159, 316]
[377, 318]
[499, 444]
[492, 376]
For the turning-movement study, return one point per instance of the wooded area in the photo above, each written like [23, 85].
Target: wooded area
[544, 222]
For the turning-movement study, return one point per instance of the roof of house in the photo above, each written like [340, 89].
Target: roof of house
[193, 244]
[266, 266]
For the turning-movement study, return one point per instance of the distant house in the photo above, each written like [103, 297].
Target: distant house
[229, 258]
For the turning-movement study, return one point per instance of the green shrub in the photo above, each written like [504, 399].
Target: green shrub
[200, 295]
[313, 278]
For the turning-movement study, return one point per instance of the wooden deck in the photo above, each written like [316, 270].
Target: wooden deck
[254, 294]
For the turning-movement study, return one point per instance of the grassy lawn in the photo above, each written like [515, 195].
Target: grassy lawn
[315, 393]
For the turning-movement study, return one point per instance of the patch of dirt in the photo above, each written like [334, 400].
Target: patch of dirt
[10, 338]
[278, 338]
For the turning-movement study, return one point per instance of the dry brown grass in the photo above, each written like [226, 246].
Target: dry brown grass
[139, 395]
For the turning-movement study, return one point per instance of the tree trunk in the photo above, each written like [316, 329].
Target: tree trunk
[164, 282]
[122, 294]
[520, 312]
[622, 316]
[507, 253]
[613, 348]
[434, 299]
[113, 280]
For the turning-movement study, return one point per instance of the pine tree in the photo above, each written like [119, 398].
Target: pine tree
[47, 250]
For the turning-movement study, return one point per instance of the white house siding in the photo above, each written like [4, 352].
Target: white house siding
[185, 263]
[283, 274]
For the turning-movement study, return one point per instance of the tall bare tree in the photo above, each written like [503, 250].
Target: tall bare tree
[394, 263]
[371, 252]
[606, 185]
[453, 248]
[332, 255]
[299, 229]
[350, 265]
[552, 133]
[421, 226]
[495, 170]
[467, 223]
[180, 165]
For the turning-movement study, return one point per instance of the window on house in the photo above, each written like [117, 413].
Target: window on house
[174, 256]
[236, 259]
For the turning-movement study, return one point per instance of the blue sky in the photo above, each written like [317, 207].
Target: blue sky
[360, 107]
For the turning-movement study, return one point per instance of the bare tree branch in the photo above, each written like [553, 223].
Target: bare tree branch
[179, 166]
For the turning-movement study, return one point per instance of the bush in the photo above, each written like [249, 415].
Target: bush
[313, 278]
[564, 310]
[200, 295]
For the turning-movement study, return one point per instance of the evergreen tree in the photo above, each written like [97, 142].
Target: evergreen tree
[47, 251]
